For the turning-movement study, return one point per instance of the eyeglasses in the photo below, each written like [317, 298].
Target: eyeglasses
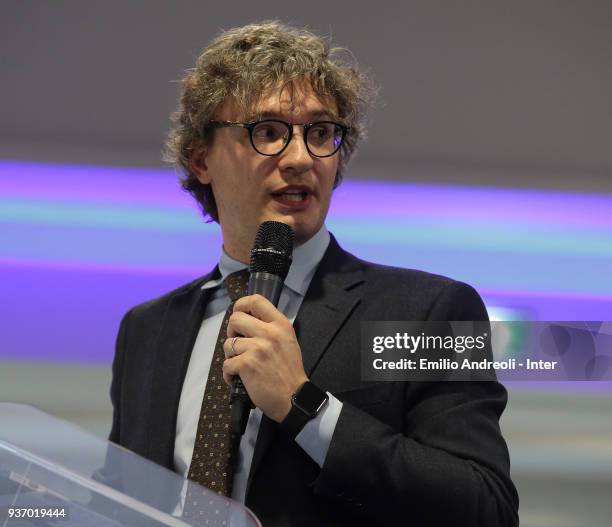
[271, 137]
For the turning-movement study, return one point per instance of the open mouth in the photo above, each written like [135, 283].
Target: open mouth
[291, 195]
[293, 199]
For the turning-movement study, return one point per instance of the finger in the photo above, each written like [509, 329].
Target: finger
[242, 324]
[243, 345]
[229, 379]
[259, 307]
[229, 347]
[231, 368]
[232, 347]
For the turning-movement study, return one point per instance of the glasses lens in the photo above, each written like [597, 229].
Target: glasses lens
[270, 137]
[324, 138]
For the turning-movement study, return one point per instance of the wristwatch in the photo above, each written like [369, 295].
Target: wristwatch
[306, 403]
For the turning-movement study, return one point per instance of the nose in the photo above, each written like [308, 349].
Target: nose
[295, 157]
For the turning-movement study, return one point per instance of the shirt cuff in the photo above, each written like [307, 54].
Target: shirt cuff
[316, 435]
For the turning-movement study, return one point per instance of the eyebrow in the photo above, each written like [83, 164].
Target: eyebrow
[314, 116]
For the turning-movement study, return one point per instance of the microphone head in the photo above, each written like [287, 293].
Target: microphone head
[272, 249]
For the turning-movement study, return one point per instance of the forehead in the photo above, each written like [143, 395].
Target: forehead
[294, 100]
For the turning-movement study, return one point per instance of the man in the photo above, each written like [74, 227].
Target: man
[268, 120]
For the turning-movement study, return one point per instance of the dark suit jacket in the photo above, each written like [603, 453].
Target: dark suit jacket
[409, 453]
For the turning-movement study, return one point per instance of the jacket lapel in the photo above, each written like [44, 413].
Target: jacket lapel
[327, 304]
[175, 343]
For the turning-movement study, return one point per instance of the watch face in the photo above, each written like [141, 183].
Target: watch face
[310, 399]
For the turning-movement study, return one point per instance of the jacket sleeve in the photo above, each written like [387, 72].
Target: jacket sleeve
[110, 473]
[449, 463]
[115, 389]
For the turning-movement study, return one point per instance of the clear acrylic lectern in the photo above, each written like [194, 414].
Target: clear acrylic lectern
[53, 473]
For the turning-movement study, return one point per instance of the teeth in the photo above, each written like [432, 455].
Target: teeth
[292, 196]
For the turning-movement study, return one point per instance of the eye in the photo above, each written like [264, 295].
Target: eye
[321, 131]
[269, 131]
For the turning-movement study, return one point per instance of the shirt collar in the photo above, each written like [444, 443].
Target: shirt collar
[306, 257]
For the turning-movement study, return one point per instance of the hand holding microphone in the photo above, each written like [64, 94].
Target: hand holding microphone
[261, 347]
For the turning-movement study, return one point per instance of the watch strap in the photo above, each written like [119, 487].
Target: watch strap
[298, 416]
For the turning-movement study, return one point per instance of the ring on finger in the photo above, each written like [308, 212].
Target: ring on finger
[234, 353]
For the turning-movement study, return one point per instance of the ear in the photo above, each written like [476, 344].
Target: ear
[199, 166]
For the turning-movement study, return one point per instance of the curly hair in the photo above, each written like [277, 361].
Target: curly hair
[241, 64]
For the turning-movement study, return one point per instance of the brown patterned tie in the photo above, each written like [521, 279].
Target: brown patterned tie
[215, 448]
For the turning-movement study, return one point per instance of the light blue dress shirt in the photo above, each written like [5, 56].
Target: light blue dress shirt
[315, 437]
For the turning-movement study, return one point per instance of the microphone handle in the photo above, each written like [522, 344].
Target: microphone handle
[269, 286]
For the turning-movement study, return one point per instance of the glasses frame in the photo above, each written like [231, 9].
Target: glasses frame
[305, 126]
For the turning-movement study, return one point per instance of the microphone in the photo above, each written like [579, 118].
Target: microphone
[270, 262]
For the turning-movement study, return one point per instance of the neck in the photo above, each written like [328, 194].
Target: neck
[239, 251]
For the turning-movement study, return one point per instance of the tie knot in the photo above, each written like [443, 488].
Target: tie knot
[237, 284]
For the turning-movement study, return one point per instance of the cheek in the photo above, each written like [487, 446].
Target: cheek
[234, 179]
[327, 185]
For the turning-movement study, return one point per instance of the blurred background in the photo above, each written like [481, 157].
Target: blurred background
[489, 160]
